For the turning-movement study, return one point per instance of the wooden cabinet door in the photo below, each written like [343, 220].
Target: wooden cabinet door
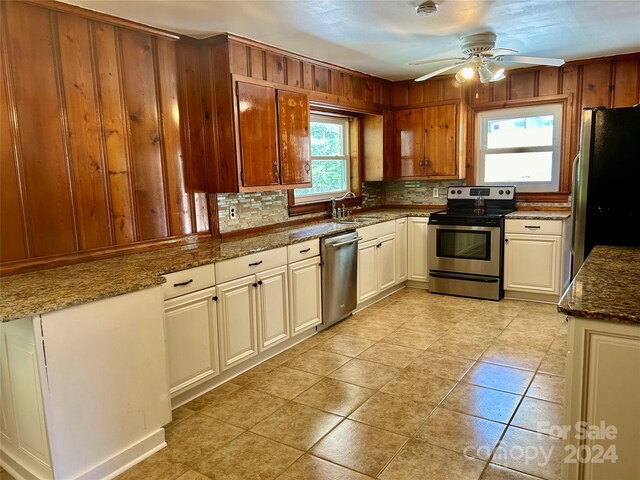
[386, 252]
[192, 338]
[273, 307]
[294, 140]
[257, 135]
[401, 250]
[531, 263]
[305, 295]
[440, 144]
[367, 270]
[417, 264]
[409, 143]
[237, 321]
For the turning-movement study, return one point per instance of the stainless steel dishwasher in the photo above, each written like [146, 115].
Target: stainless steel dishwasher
[339, 277]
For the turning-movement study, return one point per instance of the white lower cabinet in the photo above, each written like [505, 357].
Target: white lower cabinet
[367, 270]
[536, 259]
[192, 339]
[237, 321]
[418, 270]
[273, 307]
[386, 261]
[531, 263]
[305, 296]
[401, 250]
[376, 266]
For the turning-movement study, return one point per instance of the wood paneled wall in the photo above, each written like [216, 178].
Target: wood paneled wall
[93, 156]
[607, 82]
[325, 83]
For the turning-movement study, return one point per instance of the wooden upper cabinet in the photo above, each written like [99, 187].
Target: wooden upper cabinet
[409, 143]
[294, 142]
[257, 142]
[441, 153]
[425, 142]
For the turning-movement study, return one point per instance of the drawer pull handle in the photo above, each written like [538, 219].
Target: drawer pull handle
[255, 263]
[305, 250]
[182, 284]
[532, 227]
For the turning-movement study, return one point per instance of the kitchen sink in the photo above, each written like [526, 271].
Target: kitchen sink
[356, 220]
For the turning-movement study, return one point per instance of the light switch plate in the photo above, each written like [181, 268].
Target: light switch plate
[436, 192]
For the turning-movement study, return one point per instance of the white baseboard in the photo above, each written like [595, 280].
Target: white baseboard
[127, 458]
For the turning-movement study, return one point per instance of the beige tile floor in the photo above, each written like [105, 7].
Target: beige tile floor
[418, 386]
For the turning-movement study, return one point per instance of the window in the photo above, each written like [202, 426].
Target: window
[329, 159]
[520, 146]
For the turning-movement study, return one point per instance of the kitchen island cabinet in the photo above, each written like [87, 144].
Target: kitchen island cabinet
[102, 375]
[603, 365]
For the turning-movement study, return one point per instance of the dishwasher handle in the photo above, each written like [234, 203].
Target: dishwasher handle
[348, 242]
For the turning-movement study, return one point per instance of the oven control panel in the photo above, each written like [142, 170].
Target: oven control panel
[501, 192]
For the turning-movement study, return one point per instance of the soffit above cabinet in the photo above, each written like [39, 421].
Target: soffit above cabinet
[381, 37]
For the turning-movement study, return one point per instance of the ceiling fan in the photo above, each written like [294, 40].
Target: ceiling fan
[482, 56]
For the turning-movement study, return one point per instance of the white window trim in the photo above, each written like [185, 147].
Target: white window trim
[555, 109]
[321, 197]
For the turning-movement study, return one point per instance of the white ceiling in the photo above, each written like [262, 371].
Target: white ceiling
[380, 37]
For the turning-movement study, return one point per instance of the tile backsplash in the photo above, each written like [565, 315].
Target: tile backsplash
[417, 192]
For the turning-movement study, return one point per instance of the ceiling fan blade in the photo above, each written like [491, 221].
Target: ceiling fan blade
[438, 72]
[555, 62]
[494, 52]
[424, 62]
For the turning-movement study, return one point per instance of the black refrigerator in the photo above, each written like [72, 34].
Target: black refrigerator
[606, 190]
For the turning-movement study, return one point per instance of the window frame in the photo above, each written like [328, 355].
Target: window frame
[323, 197]
[555, 108]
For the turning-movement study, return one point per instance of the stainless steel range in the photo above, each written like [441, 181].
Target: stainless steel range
[465, 242]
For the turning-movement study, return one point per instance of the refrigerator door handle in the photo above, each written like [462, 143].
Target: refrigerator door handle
[574, 192]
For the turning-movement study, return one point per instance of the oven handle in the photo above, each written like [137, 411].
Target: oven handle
[463, 277]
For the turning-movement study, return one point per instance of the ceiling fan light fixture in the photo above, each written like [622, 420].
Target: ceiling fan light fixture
[467, 72]
[459, 78]
[497, 73]
[485, 74]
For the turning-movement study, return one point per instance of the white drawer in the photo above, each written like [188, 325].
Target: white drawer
[303, 250]
[254, 263]
[540, 227]
[377, 230]
[187, 281]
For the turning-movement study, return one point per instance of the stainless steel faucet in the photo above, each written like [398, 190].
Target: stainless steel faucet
[335, 213]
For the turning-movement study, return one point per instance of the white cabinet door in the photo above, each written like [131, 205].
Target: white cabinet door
[273, 307]
[401, 250]
[305, 295]
[192, 339]
[418, 269]
[237, 321]
[367, 270]
[22, 426]
[386, 260]
[531, 263]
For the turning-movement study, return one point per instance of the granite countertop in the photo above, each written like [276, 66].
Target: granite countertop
[606, 287]
[539, 215]
[53, 289]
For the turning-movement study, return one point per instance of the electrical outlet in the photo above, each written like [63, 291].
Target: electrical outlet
[233, 213]
[436, 192]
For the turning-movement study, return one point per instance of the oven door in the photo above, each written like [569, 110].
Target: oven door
[473, 250]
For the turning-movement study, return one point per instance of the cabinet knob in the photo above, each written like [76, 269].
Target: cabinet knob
[259, 282]
[506, 240]
[255, 285]
[214, 298]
